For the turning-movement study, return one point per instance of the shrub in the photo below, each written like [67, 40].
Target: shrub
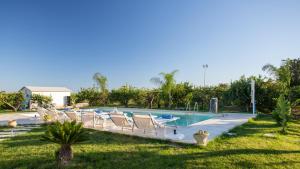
[282, 112]
[92, 96]
[123, 95]
[41, 100]
[12, 100]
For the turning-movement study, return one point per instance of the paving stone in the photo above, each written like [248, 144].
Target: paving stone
[270, 135]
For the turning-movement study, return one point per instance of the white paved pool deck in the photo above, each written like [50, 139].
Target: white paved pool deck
[216, 126]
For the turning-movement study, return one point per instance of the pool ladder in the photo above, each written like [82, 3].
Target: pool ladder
[196, 108]
[188, 106]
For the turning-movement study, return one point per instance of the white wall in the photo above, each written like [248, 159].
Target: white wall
[59, 99]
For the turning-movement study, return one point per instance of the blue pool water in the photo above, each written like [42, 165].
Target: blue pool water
[185, 119]
[188, 119]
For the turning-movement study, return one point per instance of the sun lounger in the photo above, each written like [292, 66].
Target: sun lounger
[73, 116]
[90, 119]
[120, 120]
[56, 115]
[145, 122]
[42, 112]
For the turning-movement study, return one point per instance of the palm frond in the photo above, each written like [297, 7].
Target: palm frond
[271, 69]
[65, 133]
[101, 80]
[156, 80]
[174, 72]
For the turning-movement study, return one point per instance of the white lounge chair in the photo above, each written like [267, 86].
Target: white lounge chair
[45, 112]
[53, 115]
[73, 116]
[90, 119]
[56, 115]
[120, 120]
[42, 112]
[145, 122]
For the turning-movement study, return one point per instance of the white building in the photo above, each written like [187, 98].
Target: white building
[60, 95]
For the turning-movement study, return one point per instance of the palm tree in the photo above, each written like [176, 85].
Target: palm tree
[271, 69]
[282, 75]
[166, 83]
[65, 134]
[286, 75]
[283, 108]
[101, 81]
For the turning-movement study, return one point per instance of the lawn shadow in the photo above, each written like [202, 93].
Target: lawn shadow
[146, 158]
[127, 159]
[156, 159]
[106, 137]
[294, 132]
[250, 128]
[34, 162]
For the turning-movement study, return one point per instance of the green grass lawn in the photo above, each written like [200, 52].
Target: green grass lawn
[249, 149]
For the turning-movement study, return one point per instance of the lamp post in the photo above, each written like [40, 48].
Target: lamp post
[205, 66]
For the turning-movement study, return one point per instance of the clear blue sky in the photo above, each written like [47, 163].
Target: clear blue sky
[63, 43]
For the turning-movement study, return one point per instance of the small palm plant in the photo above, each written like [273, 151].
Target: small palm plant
[66, 134]
[282, 113]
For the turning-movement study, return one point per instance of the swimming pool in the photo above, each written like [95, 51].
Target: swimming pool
[185, 119]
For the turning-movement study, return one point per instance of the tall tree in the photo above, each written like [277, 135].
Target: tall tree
[282, 74]
[239, 93]
[284, 77]
[295, 72]
[41, 100]
[12, 100]
[123, 94]
[182, 94]
[101, 81]
[152, 95]
[166, 83]
[90, 95]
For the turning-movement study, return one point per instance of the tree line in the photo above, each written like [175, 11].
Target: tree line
[168, 94]
[232, 97]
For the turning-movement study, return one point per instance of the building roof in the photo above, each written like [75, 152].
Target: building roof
[47, 89]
